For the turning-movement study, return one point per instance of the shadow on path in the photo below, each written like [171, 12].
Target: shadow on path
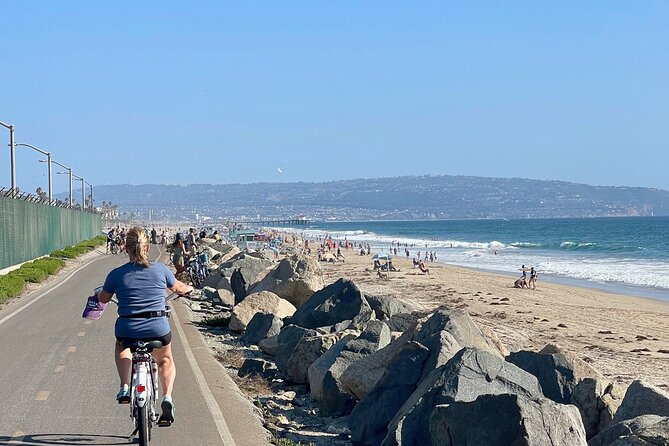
[65, 439]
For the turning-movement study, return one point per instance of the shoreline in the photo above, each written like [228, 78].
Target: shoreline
[653, 293]
[614, 287]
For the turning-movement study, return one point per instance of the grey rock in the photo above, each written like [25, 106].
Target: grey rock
[262, 326]
[469, 374]
[445, 333]
[325, 373]
[385, 307]
[306, 352]
[642, 399]
[362, 375]
[255, 366]
[242, 270]
[270, 345]
[287, 339]
[494, 420]
[558, 371]
[624, 429]
[295, 279]
[653, 435]
[404, 321]
[597, 400]
[370, 417]
[335, 303]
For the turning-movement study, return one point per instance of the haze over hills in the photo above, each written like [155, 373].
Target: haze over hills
[408, 197]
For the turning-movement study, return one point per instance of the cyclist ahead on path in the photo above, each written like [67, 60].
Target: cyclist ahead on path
[140, 286]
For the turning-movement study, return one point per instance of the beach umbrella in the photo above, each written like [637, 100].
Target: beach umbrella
[382, 257]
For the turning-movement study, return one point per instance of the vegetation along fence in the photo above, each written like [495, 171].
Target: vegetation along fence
[29, 230]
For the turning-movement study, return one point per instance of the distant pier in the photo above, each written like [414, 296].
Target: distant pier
[279, 222]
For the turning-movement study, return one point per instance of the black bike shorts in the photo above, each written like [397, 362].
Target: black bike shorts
[165, 340]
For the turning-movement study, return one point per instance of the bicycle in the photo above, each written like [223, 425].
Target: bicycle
[144, 384]
[197, 269]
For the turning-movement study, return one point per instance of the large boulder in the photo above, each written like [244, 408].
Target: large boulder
[642, 399]
[558, 371]
[469, 374]
[335, 303]
[597, 400]
[386, 307]
[653, 435]
[361, 376]
[495, 420]
[242, 270]
[307, 351]
[627, 428]
[446, 332]
[370, 417]
[325, 373]
[286, 341]
[262, 302]
[295, 279]
[261, 326]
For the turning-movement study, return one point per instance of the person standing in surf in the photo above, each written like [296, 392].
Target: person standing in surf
[533, 279]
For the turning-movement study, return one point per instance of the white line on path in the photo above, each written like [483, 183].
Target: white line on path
[11, 315]
[209, 399]
[215, 411]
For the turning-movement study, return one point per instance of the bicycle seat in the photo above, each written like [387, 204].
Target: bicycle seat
[142, 345]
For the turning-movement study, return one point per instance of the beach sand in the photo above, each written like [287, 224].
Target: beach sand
[624, 337]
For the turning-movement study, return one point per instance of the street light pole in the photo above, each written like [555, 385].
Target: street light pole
[69, 171]
[48, 160]
[83, 189]
[92, 207]
[11, 155]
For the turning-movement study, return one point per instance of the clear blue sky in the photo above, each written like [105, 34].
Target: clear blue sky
[221, 92]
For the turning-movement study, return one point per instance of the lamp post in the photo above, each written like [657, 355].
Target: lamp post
[83, 191]
[69, 172]
[91, 186]
[11, 155]
[48, 160]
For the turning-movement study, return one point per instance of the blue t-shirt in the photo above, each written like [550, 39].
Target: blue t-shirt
[140, 289]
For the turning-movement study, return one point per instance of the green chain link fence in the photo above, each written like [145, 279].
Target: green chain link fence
[30, 230]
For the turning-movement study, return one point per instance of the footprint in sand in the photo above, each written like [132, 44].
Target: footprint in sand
[666, 352]
[562, 326]
[605, 332]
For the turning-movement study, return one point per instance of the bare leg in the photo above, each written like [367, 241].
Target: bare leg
[123, 359]
[166, 369]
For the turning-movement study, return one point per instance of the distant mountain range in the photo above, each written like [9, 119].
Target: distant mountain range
[409, 197]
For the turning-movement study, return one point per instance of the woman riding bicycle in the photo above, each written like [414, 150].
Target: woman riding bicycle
[140, 286]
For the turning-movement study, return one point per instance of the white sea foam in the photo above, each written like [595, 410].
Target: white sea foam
[574, 260]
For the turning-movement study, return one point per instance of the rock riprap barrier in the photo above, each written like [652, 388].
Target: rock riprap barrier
[398, 377]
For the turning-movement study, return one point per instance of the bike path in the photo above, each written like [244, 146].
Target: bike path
[58, 379]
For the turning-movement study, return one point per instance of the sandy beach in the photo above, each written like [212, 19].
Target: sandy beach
[624, 337]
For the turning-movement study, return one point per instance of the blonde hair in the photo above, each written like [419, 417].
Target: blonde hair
[136, 243]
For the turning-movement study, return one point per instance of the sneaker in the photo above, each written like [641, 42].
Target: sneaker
[123, 396]
[167, 418]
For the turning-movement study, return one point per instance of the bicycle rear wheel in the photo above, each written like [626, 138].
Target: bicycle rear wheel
[143, 425]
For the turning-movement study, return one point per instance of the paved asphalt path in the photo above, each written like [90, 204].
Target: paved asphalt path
[58, 380]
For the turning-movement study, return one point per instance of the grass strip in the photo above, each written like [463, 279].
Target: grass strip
[37, 271]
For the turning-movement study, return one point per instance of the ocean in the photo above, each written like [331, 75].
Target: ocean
[627, 255]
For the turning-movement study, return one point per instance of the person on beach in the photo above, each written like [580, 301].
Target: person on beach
[533, 279]
[524, 274]
[423, 268]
